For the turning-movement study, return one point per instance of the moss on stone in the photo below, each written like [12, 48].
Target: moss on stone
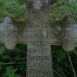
[19, 23]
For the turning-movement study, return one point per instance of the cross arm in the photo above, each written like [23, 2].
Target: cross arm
[58, 33]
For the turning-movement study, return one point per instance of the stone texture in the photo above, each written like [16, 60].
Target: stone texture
[39, 34]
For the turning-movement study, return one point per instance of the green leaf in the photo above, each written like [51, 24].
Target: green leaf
[11, 72]
[2, 49]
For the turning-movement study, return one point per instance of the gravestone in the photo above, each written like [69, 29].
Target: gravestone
[39, 61]
[39, 34]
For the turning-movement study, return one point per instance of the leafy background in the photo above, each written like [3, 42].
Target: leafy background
[13, 62]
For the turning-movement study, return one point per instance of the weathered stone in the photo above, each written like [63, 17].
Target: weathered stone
[39, 15]
[39, 34]
[8, 33]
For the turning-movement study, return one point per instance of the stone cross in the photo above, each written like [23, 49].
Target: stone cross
[39, 34]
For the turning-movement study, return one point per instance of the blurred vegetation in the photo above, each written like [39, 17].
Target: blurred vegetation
[13, 63]
[14, 7]
[61, 63]
[17, 9]
[62, 8]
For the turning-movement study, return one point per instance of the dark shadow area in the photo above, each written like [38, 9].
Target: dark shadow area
[61, 64]
[13, 62]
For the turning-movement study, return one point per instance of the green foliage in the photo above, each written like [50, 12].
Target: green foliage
[10, 72]
[62, 8]
[13, 7]
[2, 10]
[17, 9]
[2, 49]
[61, 63]
[13, 62]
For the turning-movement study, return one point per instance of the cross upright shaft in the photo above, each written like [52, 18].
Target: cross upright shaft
[39, 61]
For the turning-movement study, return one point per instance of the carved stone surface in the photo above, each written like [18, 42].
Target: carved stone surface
[64, 34]
[38, 39]
[39, 61]
[39, 34]
[7, 33]
[70, 33]
[39, 58]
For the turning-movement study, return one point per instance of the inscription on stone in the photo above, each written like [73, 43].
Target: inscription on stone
[39, 34]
